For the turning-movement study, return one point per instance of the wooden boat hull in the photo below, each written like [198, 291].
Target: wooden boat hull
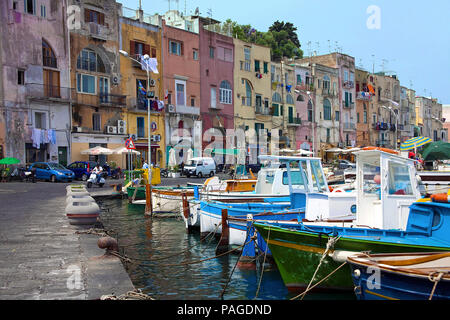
[406, 281]
[297, 252]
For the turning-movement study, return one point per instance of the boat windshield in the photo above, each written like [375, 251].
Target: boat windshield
[399, 182]
[296, 178]
[318, 178]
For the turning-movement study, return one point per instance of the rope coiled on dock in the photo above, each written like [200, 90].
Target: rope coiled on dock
[130, 295]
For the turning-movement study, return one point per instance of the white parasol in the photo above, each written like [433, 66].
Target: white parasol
[95, 151]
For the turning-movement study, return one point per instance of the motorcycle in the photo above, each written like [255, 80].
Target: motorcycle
[93, 180]
[23, 175]
[164, 173]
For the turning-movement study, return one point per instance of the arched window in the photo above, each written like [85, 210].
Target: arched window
[310, 111]
[289, 99]
[48, 56]
[326, 109]
[225, 92]
[276, 98]
[89, 60]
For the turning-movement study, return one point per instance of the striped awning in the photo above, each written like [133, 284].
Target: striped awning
[414, 143]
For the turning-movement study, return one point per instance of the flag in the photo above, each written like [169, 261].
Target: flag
[141, 89]
[149, 64]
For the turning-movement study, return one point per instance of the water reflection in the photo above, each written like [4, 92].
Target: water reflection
[164, 251]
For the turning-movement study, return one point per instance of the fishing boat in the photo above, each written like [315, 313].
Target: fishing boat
[302, 176]
[390, 218]
[401, 276]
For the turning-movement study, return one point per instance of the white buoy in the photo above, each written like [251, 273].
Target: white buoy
[82, 213]
[77, 192]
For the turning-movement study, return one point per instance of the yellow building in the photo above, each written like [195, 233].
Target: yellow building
[252, 88]
[139, 38]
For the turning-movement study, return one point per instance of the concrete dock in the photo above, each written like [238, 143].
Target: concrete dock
[42, 255]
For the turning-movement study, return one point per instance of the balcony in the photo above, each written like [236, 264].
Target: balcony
[98, 31]
[348, 104]
[262, 110]
[37, 91]
[383, 143]
[188, 110]
[328, 93]
[96, 100]
[349, 126]
[348, 84]
[362, 95]
[294, 121]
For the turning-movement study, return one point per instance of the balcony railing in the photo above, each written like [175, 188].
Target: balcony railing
[96, 100]
[349, 126]
[113, 99]
[294, 121]
[262, 110]
[98, 31]
[348, 84]
[45, 91]
[348, 104]
[362, 95]
[328, 93]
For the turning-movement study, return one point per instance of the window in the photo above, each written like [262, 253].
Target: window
[310, 111]
[225, 92]
[224, 54]
[30, 6]
[266, 67]
[43, 11]
[345, 76]
[180, 87]
[326, 109]
[140, 127]
[257, 67]
[248, 93]
[213, 97]
[90, 61]
[40, 120]
[399, 182]
[51, 83]
[357, 117]
[48, 56]
[104, 89]
[15, 7]
[365, 116]
[192, 102]
[96, 123]
[299, 79]
[211, 52]
[326, 82]
[175, 48]
[258, 101]
[195, 54]
[328, 135]
[20, 77]
[94, 16]
[247, 59]
[337, 116]
[86, 83]
[277, 98]
[289, 99]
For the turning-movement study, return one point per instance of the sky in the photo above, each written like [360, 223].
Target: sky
[409, 38]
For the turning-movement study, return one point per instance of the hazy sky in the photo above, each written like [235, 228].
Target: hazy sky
[410, 38]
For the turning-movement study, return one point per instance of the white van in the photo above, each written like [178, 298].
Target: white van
[200, 167]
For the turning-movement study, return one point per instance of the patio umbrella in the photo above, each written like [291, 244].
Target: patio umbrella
[438, 150]
[334, 150]
[189, 155]
[302, 152]
[9, 161]
[172, 158]
[124, 150]
[414, 143]
[95, 151]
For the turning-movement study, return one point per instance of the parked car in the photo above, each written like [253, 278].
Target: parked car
[345, 164]
[200, 167]
[82, 169]
[52, 171]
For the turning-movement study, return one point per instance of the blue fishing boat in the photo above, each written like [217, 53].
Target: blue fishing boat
[391, 217]
[402, 276]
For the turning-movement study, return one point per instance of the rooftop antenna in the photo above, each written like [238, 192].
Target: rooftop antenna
[373, 64]
[169, 3]
[329, 46]
[178, 5]
[318, 47]
[197, 11]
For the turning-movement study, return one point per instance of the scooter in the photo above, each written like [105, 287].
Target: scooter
[93, 180]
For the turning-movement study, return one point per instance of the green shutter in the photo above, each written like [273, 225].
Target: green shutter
[346, 99]
[256, 65]
[275, 109]
[266, 67]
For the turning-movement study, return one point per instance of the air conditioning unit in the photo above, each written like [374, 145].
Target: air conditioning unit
[133, 136]
[115, 80]
[172, 108]
[78, 129]
[152, 82]
[121, 127]
[156, 138]
[111, 129]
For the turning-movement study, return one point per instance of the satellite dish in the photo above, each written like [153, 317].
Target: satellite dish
[196, 11]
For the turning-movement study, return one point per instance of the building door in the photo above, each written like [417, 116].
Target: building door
[62, 156]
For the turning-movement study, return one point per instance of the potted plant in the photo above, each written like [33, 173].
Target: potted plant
[174, 172]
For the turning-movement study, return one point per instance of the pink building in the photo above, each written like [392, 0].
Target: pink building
[303, 105]
[216, 96]
[181, 85]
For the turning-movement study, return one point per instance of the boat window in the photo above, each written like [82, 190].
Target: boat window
[318, 179]
[296, 178]
[270, 176]
[399, 182]
[371, 179]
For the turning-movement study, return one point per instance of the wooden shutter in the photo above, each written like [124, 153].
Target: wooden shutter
[132, 48]
[153, 55]
[86, 15]
[101, 19]
[146, 49]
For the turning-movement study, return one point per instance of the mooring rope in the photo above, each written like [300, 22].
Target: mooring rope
[435, 277]
[262, 271]
[130, 295]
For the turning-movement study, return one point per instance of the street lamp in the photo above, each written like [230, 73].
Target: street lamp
[396, 123]
[125, 54]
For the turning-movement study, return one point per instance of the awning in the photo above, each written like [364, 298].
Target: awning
[231, 152]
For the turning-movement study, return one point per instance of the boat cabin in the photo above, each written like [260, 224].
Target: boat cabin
[386, 187]
[308, 189]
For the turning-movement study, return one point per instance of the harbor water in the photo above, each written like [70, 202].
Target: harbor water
[168, 263]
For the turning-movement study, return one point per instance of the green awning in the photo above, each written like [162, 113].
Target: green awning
[231, 152]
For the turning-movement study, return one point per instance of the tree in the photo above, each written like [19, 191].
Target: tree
[289, 27]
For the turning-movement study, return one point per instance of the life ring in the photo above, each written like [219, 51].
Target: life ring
[381, 149]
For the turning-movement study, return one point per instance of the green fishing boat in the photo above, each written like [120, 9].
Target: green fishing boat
[390, 218]
[140, 194]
